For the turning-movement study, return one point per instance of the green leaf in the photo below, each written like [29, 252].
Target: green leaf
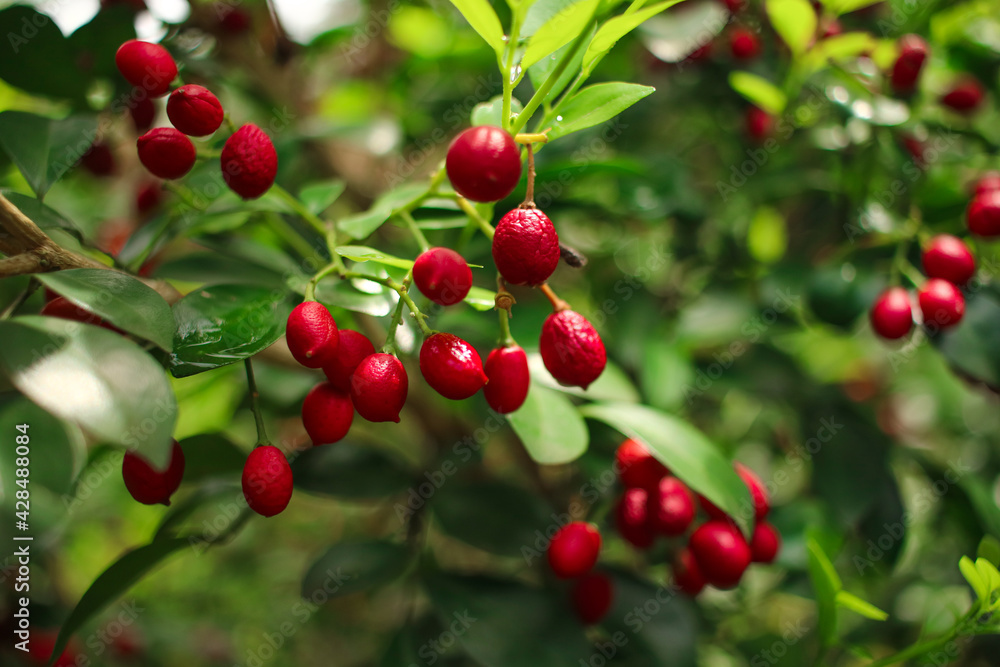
[827, 585]
[352, 471]
[318, 197]
[351, 567]
[360, 253]
[991, 577]
[210, 455]
[213, 268]
[683, 449]
[92, 377]
[971, 351]
[481, 299]
[612, 385]
[40, 214]
[859, 606]
[989, 548]
[974, 577]
[112, 583]
[759, 91]
[482, 18]
[33, 43]
[550, 427]
[44, 149]
[767, 237]
[362, 225]
[344, 295]
[118, 298]
[174, 519]
[57, 461]
[223, 324]
[845, 6]
[95, 43]
[614, 29]
[839, 47]
[559, 30]
[596, 104]
[793, 20]
[540, 71]
[491, 113]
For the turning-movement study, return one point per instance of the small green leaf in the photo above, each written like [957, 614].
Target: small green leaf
[361, 225]
[795, 21]
[350, 471]
[352, 567]
[360, 253]
[759, 91]
[989, 548]
[767, 237]
[44, 149]
[491, 113]
[550, 427]
[991, 577]
[859, 606]
[320, 196]
[974, 577]
[481, 298]
[827, 585]
[839, 47]
[596, 104]
[558, 31]
[482, 18]
[614, 29]
[540, 71]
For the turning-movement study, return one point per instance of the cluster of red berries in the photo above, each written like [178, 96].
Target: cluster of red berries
[964, 96]
[249, 162]
[572, 554]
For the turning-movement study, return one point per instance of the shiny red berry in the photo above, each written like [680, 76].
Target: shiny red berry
[451, 366]
[671, 506]
[571, 349]
[765, 544]
[327, 414]
[508, 379]
[267, 481]
[311, 334]
[484, 164]
[891, 315]
[983, 216]
[759, 123]
[687, 576]
[632, 518]
[166, 153]
[574, 549]
[352, 349]
[721, 552]
[249, 162]
[442, 276]
[378, 388]
[143, 112]
[988, 182]
[194, 110]
[913, 52]
[964, 97]
[948, 257]
[98, 160]
[149, 485]
[744, 44]
[637, 467]
[941, 304]
[526, 247]
[147, 66]
[592, 595]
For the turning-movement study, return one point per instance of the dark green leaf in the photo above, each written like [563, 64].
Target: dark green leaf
[971, 348]
[596, 104]
[213, 268]
[550, 427]
[45, 148]
[58, 450]
[95, 44]
[351, 567]
[33, 43]
[559, 30]
[319, 196]
[348, 470]
[210, 455]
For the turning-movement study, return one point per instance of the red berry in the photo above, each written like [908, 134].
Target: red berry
[592, 595]
[637, 467]
[65, 309]
[964, 97]
[508, 379]
[267, 481]
[671, 506]
[311, 334]
[571, 349]
[948, 257]
[43, 642]
[759, 123]
[744, 44]
[148, 66]
[166, 153]
[765, 544]
[983, 216]
[526, 247]
[378, 388]
[758, 492]
[235, 20]
[913, 52]
[249, 162]
[916, 149]
[148, 198]
[687, 576]
[832, 28]
[988, 182]
[632, 518]
[352, 348]
[574, 549]
[451, 366]
[194, 110]
[734, 5]
[721, 552]
[442, 276]
[147, 484]
[891, 315]
[327, 414]
[941, 304]
[99, 160]
[143, 112]
[484, 164]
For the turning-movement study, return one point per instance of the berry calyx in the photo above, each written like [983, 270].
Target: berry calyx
[949, 258]
[526, 247]
[166, 153]
[765, 544]
[891, 315]
[632, 518]
[941, 304]
[744, 44]
[671, 507]
[147, 66]
[508, 379]
[721, 553]
[194, 110]
[249, 162]
[484, 164]
[964, 97]
[637, 467]
[442, 276]
[687, 576]
[592, 595]
[327, 414]
[311, 334]
[352, 349]
[983, 216]
[574, 549]
[378, 388]
[913, 52]
[267, 481]
[451, 366]
[147, 484]
[759, 123]
[571, 349]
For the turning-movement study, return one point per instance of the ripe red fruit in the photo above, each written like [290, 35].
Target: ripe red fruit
[98, 160]
[147, 484]
[574, 549]
[148, 66]
[526, 247]
[765, 544]
[671, 506]
[637, 467]
[948, 257]
[734, 5]
[891, 315]
[571, 349]
[964, 97]
[941, 303]
[983, 216]
[267, 481]
[148, 198]
[913, 52]
[378, 388]
[166, 153]
[235, 20]
[311, 334]
[484, 164]
[744, 44]
[988, 182]
[352, 348]
[65, 309]
[592, 595]
[721, 552]
[759, 123]
[249, 162]
[508, 379]
[442, 276]
[327, 414]
[687, 576]
[194, 110]
[143, 112]
[451, 366]
[43, 642]
[632, 518]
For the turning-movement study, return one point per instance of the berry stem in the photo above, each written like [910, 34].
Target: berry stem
[506, 340]
[471, 211]
[506, 69]
[532, 138]
[310, 294]
[557, 303]
[255, 405]
[415, 230]
[229, 122]
[390, 336]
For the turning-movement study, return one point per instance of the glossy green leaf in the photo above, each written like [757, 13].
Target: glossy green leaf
[794, 21]
[44, 149]
[550, 427]
[612, 385]
[361, 225]
[759, 91]
[359, 253]
[972, 575]
[540, 71]
[491, 112]
[482, 18]
[991, 577]
[212, 268]
[859, 606]
[826, 584]
[32, 43]
[352, 471]
[558, 31]
[352, 567]
[481, 298]
[39, 213]
[596, 104]
[541, 12]
[614, 29]
[58, 450]
[344, 295]
[318, 197]
[223, 324]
